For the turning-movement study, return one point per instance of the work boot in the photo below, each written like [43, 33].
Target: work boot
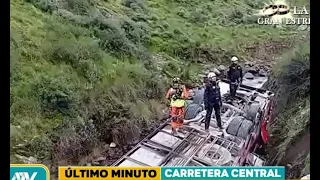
[173, 131]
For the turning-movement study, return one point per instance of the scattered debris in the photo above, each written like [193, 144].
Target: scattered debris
[27, 160]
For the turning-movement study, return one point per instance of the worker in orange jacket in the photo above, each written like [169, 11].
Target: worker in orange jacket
[177, 95]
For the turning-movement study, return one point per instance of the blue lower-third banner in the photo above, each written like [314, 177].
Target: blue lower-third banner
[171, 173]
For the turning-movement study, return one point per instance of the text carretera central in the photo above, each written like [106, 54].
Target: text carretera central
[167, 173]
[222, 173]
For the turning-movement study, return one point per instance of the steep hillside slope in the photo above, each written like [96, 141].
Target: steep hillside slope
[290, 143]
[85, 73]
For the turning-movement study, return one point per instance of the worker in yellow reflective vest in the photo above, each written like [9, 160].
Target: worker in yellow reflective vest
[177, 95]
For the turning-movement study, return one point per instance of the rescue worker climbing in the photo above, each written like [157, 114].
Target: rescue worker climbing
[234, 76]
[177, 95]
[212, 100]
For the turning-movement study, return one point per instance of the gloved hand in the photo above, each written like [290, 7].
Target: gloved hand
[220, 103]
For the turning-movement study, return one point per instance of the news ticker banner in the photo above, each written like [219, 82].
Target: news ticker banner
[40, 172]
[171, 173]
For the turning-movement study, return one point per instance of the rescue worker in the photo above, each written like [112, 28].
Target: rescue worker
[234, 76]
[177, 95]
[212, 100]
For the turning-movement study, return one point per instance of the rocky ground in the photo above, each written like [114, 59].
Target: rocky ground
[250, 69]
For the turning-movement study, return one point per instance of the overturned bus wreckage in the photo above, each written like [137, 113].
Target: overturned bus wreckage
[244, 122]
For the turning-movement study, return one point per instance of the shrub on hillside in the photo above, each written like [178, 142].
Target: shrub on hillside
[44, 5]
[297, 75]
[136, 33]
[83, 55]
[120, 36]
[77, 19]
[137, 5]
[255, 4]
[14, 51]
[75, 139]
[236, 16]
[55, 95]
[124, 39]
[80, 7]
[198, 16]
[291, 84]
[117, 43]
[116, 116]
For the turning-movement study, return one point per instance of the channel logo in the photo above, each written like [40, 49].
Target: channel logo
[29, 172]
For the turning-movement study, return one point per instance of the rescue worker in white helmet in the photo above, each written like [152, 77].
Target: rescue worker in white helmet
[234, 76]
[177, 95]
[212, 100]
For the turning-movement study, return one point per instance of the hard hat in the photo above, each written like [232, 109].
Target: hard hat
[176, 80]
[234, 59]
[212, 75]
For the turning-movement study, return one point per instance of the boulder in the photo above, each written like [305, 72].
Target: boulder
[201, 76]
[248, 76]
[222, 68]
[253, 70]
[215, 70]
[262, 73]
[100, 159]
[95, 163]
[207, 66]
[27, 160]
[249, 64]
[88, 164]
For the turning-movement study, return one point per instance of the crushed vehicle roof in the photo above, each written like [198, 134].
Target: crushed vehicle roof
[193, 146]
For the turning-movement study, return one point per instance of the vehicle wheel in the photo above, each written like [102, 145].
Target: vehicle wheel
[235, 125]
[193, 110]
[245, 129]
[198, 97]
[252, 111]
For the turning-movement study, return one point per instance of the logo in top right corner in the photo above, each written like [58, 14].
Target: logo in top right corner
[281, 13]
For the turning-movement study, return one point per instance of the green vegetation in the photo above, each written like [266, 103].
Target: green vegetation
[90, 71]
[307, 168]
[291, 83]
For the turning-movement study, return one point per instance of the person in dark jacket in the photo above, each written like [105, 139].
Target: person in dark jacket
[212, 100]
[234, 76]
